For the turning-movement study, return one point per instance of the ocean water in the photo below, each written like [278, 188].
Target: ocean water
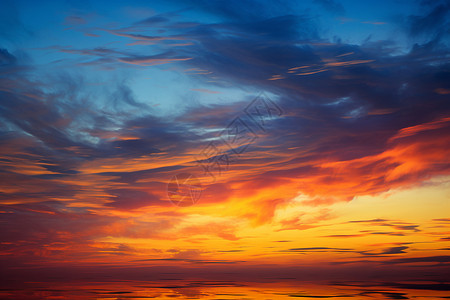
[198, 289]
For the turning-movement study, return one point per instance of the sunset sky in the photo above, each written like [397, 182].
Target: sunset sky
[316, 134]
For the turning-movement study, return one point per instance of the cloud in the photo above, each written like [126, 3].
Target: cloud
[388, 295]
[327, 115]
[125, 199]
[361, 81]
[444, 220]
[6, 58]
[318, 249]
[241, 11]
[387, 251]
[434, 23]
[216, 228]
[394, 224]
[394, 250]
[424, 259]
[409, 131]
[205, 91]
[151, 60]
[107, 55]
[12, 27]
[144, 37]
[75, 20]
[331, 6]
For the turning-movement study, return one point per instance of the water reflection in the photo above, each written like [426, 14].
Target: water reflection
[182, 289]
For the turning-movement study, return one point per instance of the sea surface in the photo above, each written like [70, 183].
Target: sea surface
[198, 289]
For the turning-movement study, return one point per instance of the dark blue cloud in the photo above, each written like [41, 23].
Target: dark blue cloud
[241, 10]
[12, 29]
[127, 199]
[331, 6]
[432, 24]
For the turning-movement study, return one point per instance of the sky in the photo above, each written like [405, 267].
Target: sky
[304, 139]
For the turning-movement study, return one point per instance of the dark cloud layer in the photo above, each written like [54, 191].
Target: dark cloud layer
[335, 103]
